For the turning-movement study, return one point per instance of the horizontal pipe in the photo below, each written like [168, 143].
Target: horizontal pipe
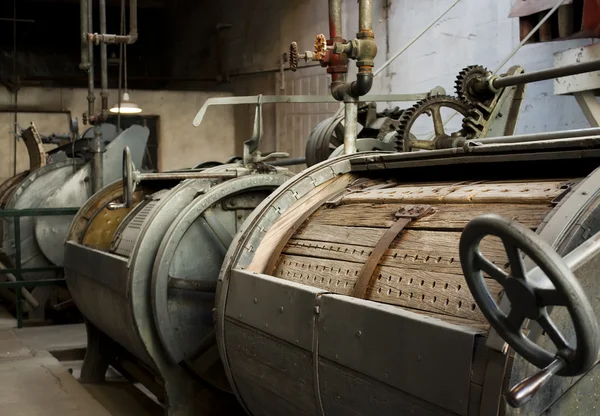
[131, 38]
[181, 176]
[10, 19]
[566, 134]
[289, 162]
[192, 285]
[546, 74]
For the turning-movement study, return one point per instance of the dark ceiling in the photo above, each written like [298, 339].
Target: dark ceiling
[48, 52]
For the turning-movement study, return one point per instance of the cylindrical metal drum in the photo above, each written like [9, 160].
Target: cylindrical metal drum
[145, 277]
[65, 183]
[344, 293]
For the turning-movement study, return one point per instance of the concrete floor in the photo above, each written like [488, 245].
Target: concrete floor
[34, 382]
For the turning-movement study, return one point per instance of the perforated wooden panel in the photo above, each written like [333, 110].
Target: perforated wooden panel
[421, 269]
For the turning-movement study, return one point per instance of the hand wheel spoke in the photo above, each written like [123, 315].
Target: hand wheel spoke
[550, 297]
[553, 332]
[514, 258]
[438, 123]
[491, 269]
[515, 319]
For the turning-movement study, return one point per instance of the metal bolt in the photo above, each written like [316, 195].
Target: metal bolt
[281, 309]
[359, 334]
[255, 300]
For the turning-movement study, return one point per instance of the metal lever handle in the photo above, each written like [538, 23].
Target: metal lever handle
[526, 389]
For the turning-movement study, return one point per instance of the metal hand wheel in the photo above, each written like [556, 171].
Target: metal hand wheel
[529, 298]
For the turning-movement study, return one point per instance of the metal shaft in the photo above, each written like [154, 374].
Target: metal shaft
[350, 131]
[546, 74]
[181, 176]
[98, 161]
[567, 134]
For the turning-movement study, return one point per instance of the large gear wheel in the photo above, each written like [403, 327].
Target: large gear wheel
[464, 84]
[430, 106]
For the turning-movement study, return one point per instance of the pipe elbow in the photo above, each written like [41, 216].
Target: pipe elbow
[132, 38]
[362, 85]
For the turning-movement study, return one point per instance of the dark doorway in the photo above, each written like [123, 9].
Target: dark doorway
[150, 162]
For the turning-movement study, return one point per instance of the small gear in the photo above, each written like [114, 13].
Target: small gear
[430, 106]
[464, 84]
[294, 56]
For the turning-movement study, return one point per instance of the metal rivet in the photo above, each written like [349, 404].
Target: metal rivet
[266, 325]
[255, 300]
[240, 315]
[281, 309]
[359, 334]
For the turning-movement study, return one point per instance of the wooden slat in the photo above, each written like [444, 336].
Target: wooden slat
[441, 293]
[516, 193]
[278, 235]
[420, 243]
[446, 216]
[415, 251]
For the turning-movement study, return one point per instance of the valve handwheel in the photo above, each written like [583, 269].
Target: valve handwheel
[530, 297]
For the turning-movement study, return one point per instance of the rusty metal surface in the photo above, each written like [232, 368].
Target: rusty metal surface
[35, 148]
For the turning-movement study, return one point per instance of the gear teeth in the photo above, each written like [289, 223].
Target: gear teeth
[293, 56]
[409, 115]
[463, 79]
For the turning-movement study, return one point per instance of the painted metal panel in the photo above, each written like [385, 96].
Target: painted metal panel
[105, 268]
[405, 350]
[278, 307]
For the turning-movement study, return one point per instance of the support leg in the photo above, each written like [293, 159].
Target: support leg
[99, 354]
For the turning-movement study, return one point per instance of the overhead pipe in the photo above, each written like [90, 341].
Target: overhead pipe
[83, 16]
[131, 38]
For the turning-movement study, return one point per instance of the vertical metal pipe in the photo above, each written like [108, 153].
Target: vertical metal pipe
[350, 128]
[83, 16]
[91, 97]
[103, 59]
[98, 161]
[338, 66]
[335, 19]
[133, 30]
[365, 19]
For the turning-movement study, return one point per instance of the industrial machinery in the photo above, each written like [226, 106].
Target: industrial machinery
[453, 281]
[141, 262]
[62, 177]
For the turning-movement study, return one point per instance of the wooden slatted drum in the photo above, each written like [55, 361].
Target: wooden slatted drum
[298, 336]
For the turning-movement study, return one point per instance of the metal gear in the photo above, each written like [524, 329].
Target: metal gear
[464, 84]
[294, 56]
[430, 106]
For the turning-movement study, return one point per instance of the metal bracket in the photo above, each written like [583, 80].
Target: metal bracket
[251, 152]
[404, 215]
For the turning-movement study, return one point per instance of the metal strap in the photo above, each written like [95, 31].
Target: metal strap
[405, 215]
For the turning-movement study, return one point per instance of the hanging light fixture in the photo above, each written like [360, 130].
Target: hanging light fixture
[125, 105]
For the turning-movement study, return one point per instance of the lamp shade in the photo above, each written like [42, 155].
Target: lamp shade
[127, 106]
